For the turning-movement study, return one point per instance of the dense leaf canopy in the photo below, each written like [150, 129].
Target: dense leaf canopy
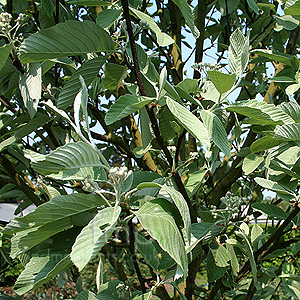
[157, 139]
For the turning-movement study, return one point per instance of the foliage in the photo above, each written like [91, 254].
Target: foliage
[133, 164]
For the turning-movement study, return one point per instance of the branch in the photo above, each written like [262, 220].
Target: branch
[134, 258]
[263, 249]
[146, 162]
[19, 181]
[8, 105]
[150, 111]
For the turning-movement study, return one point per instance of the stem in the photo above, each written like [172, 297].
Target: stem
[150, 111]
[134, 258]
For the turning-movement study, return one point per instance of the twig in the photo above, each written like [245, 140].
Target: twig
[18, 180]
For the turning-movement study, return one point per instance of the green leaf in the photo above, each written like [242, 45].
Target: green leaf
[292, 109]
[74, 161]
[287, 22]
[270, 210]
[251, 163]
[162, 79]
[49, 219]
[107, 17]
[30, 86]
[252, 4]
[178, 200]
[25, 129]
[194, 181]
[113, 74]
[39, 270]
[188, 16]
[261, 112]
[89, 70]
[271, 185]
[65, 39]
[90, 2]
[189, 85]
[153, 216]
[94, 236]
[47, 7]
[87, 295]
[4, 53]
[222, 82]
[288, 132]
[124, 106]
[213, 271]
[238, 52]
[234, 261]
[256, 231]
[147, 249]
[163, 39]
[216, 130]
[265, 143]
[249, 252]
[81, 118]
[280, 57]
[189, 121]
[222, 256]
[204, 232]
[296, 292]
[293, 9]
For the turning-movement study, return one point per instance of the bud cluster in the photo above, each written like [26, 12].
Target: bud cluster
[90, 185]
[5, 19]
[205, 66]
[123, 291]
[118, 174]
[232, 203]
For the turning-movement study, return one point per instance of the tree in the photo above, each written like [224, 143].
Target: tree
[160, 173]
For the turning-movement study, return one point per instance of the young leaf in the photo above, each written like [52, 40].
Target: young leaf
[256, 232]
[74, 161]
[222, 256]
[163, 39]
[153, 216]
[189, 121]
[31, 87]
[124, 106]
[216, 130]
[222, 82]
[94, 236]
[61, 40]
[251, 163]
[238, 52]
